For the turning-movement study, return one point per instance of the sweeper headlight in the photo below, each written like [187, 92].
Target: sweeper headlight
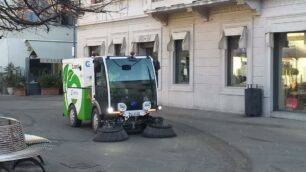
[146, 105]
[159, 107]
[110, 110]
[121, 107]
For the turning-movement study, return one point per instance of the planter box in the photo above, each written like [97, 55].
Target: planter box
[19, 92]
[49, 91]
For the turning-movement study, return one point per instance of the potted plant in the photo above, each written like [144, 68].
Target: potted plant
[20, 87]
[49, 84]
[10, 77]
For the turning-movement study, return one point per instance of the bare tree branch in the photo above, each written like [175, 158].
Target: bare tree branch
[16, 15]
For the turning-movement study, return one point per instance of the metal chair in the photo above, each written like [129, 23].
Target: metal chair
[16, 147]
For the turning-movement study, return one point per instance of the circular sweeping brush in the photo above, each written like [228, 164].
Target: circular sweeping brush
[158, 131]
[110, 134]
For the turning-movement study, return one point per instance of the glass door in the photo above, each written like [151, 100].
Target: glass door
[290, 72]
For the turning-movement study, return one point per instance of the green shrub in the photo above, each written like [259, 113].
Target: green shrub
[20, 82]
[10, 77]
[49, 81]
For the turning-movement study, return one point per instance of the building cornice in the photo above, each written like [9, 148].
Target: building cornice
[200, 7]
[113, 20]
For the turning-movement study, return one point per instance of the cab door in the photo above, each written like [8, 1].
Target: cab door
[101, 91]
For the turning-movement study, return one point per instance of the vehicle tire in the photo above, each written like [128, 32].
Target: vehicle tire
[73, 119]
[95, 120]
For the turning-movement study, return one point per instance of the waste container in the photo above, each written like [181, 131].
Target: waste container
[33, 88]
[253, 100]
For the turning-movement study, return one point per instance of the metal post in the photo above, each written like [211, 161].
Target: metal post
[74, 31]
[74, 37]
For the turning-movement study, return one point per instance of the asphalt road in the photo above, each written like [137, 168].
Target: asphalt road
[206, 141]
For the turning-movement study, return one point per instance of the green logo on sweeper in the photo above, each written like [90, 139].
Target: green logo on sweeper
[70, 79]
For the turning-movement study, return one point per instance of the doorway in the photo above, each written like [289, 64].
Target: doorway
[290, 71]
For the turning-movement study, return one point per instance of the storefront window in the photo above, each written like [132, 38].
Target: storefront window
[237, 63]
[181, 62]
[291, 70]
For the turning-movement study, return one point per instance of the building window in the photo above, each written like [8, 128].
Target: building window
[146, 49]
[67, 20]
[94, 50]
[118, 50]
[181, 64]
[236, 63]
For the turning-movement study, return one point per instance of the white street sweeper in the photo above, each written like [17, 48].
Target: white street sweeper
[117, 94]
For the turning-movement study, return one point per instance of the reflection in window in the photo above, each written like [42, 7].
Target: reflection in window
[237, 63]
[181, 62]
[292, 71]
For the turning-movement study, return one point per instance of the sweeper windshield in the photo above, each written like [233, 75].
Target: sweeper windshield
[131, 81]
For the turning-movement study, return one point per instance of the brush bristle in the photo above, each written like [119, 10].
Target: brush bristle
[158, 131]
[115, 134]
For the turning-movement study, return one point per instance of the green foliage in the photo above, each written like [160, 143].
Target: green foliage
[49, 81]
[10, 75]
[20, 82]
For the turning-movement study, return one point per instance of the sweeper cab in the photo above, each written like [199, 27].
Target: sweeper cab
[117, 94]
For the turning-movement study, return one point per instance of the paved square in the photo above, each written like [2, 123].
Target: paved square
[207, 141]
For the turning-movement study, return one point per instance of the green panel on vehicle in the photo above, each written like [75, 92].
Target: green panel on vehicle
[85, 111]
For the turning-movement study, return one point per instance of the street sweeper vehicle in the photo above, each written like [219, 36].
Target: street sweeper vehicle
[117, 94]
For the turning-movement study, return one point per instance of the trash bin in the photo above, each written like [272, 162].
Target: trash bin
[33, 88]
[253, 100]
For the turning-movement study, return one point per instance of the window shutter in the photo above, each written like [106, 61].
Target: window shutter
[111, 48]
[156, 44]
[123, 46]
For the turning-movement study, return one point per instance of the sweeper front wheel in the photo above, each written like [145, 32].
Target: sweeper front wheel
[73, 119]
[158, 129]
[95, 120]
[111, 134]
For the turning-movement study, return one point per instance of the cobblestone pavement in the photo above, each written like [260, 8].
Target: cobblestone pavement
[206, 141]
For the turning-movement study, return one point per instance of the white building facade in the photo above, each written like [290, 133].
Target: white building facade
[210, 51]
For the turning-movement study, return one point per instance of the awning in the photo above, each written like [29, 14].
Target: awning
[235, 31]
[44, 60]
[185, 36]
[101, 48]
[146, 38]
[111, 47]
[50, 51]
